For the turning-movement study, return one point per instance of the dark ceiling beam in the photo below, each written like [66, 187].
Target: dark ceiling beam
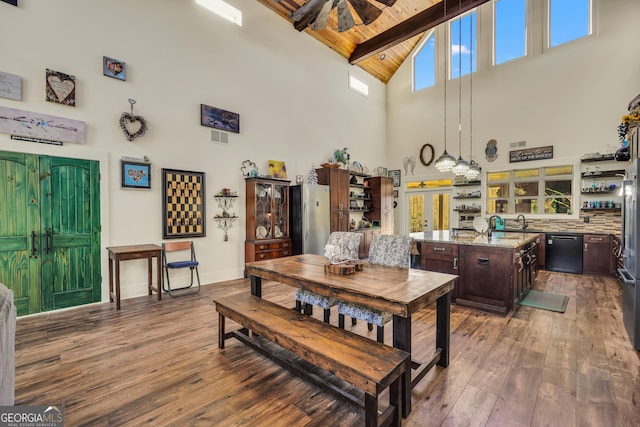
[419, 23]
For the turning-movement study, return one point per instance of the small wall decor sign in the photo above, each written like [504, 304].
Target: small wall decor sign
[43, 126]
[395, 174]
[135, 174]
[13, 2]
[61, 88]
[114, 68]
[277, 169]
[528, 154]
[219, 119]
[10, 86]
[491, 150]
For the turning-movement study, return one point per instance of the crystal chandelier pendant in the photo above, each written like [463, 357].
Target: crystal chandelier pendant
[473, 172]
[461, 167]
[445, 162]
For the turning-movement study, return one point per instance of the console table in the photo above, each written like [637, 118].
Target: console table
[123, 253]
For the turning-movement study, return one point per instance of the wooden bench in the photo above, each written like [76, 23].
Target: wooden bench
[365, 364]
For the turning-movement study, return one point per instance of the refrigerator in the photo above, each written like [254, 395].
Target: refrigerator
[309, 218]
[630, 271]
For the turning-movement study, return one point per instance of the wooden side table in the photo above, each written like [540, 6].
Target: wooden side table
[123, 253]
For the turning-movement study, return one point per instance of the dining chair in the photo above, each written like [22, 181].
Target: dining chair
[390, 250]
[173, 257]
[341, 246]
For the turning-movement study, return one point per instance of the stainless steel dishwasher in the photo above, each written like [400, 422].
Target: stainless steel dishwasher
[563, 252]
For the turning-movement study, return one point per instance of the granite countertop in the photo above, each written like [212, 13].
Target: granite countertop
[499, 239]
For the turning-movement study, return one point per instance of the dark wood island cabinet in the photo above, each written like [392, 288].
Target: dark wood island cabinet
[494, 273]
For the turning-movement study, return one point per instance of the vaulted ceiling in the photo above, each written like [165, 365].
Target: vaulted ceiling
[392, 29]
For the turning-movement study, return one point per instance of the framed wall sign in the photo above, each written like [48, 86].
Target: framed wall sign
[183, 195]
[528, 154]
[61, 88]
[219, 119]
[395, 174]
[135, 174]
[114, 68]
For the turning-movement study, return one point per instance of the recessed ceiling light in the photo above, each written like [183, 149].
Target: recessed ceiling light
[382, 56]
[223, 9]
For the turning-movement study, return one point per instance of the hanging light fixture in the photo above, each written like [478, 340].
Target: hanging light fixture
[474, 169]
[461, 166]
[445, 162]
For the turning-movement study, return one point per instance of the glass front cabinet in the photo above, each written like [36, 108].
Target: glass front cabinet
[267, 219]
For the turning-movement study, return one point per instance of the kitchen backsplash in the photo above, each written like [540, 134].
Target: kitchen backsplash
[605, 223]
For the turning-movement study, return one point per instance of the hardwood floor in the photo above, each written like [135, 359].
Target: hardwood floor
[157, 363]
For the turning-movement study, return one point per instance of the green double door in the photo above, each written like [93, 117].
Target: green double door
[49, 231]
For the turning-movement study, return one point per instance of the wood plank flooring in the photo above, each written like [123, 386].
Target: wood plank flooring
[157, 363]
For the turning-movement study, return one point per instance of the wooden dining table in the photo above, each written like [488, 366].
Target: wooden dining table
[399, 291]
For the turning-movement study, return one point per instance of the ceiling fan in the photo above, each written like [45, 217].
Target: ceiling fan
[315, 13]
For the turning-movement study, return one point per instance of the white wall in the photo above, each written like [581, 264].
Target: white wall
[290, 91]
[571, 97]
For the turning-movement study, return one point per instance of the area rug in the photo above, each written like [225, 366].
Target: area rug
[545, 301]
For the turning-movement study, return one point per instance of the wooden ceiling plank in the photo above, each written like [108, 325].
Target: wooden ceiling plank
[419, 23]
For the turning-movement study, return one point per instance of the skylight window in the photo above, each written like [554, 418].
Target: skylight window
[223, 9]
[568, 20]
[510, 30]
[424, 64]
[358, 85]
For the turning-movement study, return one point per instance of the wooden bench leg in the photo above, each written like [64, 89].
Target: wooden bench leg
[370, 410]
[220, 331]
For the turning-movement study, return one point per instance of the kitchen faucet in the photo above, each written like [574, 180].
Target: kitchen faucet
[524, 221]
[493, 219]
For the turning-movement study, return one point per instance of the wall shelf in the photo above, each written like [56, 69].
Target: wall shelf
[602, 158]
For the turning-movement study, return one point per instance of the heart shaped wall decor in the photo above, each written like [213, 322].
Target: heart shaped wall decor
[132, 126]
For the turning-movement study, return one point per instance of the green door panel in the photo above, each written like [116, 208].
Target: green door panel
[49, 231]
[19, 230]
[71, 237]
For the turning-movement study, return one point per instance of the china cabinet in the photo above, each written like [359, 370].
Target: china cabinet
[267, 207]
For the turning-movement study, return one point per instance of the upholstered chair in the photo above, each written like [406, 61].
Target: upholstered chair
[389, 250]
[341, 246]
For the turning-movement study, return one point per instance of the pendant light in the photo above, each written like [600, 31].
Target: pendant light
[462, 166]
[474, 169]
[445, 162]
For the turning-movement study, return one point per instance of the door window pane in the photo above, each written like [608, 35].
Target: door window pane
[498, 190]
[416, 213]
[510, 30]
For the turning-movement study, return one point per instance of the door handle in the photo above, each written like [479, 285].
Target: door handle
[455, 263]
[47, 242]
[33, 243]
[483, 261]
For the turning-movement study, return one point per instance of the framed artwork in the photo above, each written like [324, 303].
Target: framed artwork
[183, 198]
[13, 2]
[40, 126]
[61, 88]
[135, 174]
[395, 174]
[277, 169]
[10, 86]
[114, 68]
[395, 194]
[219, 119]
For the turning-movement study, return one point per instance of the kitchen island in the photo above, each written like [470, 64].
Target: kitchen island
[494, 272]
